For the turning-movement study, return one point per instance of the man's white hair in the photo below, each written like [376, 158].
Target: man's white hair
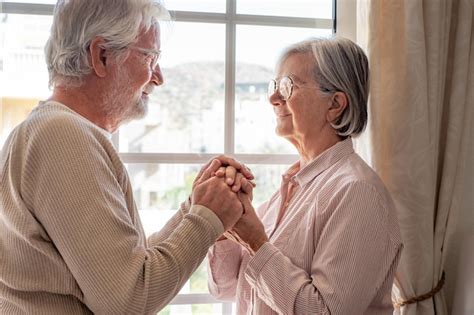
[77, 22]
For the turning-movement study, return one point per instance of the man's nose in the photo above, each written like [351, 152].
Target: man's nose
[157, 76]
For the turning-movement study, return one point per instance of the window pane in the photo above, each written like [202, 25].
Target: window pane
[159, 190]
[254, 117]
[217, 6]
[23, 72]
[268, 179]
[186, 114]
[296, 8]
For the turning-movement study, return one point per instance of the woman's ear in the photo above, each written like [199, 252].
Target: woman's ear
[338, 104]
[98, 57]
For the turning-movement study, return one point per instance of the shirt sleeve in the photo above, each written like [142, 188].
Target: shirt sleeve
[224, 259]
[75, 194]
[349, 264]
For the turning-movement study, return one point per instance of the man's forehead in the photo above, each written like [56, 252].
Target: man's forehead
[150, 36]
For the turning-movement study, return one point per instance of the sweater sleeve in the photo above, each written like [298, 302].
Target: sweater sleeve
[171, 225]
[73, 190]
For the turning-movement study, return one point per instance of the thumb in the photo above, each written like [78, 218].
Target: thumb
[207, 173]
[245, 200]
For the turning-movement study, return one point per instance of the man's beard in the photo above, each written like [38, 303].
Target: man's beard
[118, 101]
[138, 110]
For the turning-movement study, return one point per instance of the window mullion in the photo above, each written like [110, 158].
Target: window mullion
[26, 8]
[229, 112]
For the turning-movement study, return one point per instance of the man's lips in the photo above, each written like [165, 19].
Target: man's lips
[148, 90]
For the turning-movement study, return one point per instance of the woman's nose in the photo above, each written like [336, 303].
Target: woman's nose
[275, 98]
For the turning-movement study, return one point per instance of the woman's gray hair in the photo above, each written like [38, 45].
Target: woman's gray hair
[339, 65]
[77, 22]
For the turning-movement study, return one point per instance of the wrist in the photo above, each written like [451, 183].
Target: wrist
[255, 245]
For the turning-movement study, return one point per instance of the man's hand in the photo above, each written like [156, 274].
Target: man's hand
[215, 194]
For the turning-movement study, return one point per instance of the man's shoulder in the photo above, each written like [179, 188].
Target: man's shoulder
[53, 115]
[56, 120]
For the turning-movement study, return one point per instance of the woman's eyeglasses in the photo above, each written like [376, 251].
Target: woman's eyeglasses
[284, 87]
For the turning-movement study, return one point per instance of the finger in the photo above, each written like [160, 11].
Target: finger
[245, 200]
[238, 182]
[247, 172]
[203, 168]
[221, 171]
[246, 185]
[227, 160]
[211, 169]
[230, 173]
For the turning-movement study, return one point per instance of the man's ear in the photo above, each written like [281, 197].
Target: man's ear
[98, 57]
[339, 102]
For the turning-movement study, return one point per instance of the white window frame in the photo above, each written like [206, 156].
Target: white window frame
[230, 19]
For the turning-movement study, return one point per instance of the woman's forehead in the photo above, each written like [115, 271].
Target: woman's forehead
[298, 65]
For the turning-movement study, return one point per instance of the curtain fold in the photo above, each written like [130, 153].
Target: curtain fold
[421, 57]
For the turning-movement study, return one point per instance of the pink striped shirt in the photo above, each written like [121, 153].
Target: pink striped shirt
[334, 251]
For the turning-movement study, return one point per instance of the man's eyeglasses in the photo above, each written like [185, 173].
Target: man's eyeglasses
[284, 87]
[152, 55]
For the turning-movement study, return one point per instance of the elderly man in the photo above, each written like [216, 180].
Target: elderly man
[71, 240]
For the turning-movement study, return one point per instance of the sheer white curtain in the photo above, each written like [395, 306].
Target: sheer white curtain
[421, 107]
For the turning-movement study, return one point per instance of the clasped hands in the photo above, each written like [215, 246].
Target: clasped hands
[225, 187]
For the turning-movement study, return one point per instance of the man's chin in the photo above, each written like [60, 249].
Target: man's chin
[139, 111]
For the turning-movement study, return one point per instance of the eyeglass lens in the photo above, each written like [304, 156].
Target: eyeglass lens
[284, 87]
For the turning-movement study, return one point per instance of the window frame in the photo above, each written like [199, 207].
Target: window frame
[231, 20]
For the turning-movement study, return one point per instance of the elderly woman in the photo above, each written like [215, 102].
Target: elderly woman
[328, 241]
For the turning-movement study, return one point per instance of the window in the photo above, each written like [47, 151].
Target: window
[218, 56]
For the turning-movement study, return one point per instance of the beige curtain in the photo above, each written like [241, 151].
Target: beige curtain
[422, 84]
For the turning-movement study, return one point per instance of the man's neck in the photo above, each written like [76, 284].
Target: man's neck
[86, 104]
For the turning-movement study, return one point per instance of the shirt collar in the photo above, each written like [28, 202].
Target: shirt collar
[320, 163]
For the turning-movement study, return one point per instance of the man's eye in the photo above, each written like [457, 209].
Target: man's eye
[148, 57]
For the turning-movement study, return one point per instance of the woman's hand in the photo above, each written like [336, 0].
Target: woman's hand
[249, 230]
[236, 174]
[236, 180]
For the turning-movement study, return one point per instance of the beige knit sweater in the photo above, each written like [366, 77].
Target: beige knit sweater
[71, 241]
